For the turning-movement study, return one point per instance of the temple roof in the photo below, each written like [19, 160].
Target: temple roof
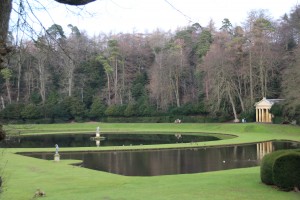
[267, 102]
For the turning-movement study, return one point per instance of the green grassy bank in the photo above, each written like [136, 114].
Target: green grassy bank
[23, 175]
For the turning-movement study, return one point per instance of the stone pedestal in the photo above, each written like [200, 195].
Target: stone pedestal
[56, 157]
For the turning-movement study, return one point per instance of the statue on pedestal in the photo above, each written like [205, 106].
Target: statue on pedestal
[56, 149]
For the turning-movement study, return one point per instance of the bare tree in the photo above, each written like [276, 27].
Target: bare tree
[5, 11]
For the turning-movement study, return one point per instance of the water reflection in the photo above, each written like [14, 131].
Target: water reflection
[263, 149]
[88, 140]
[175, 161]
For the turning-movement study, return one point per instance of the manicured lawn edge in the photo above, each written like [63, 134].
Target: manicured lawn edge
[23, 175]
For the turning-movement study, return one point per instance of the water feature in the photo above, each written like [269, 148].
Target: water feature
[173, 161]
[89, 140]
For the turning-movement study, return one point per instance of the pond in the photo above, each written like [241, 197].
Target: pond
[112, 139]
[173, 161]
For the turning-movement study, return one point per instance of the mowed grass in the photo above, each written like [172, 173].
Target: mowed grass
[23, 175]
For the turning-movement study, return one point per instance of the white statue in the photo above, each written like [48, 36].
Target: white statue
[56, 149]
[98, 132]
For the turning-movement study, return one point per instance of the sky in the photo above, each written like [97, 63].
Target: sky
[145, 16]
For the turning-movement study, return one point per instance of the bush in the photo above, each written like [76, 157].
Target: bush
[286, 171]
[248, 115]
[2, 133]
[131, 110]
[277, 109]
[277, 120]
[31, 111]
[12, 112]
[266, 166]
[267, 163]
[115, 110]
[97, 109]
[189, 109]
[73, 107]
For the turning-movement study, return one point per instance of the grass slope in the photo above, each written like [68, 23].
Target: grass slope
[23, 175]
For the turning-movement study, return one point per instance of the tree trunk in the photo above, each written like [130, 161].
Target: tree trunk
[251, 77]
[2, 102]
[232, 103]
[5, 10]
[116, 81]
[19, 76]
[41, 69]
[7, 84]
[108, 89]
[71, 68]
[261, 73]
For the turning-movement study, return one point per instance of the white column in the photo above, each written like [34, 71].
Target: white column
[256, 111]
[260, 115]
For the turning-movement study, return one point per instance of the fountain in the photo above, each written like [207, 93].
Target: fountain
[98, 137]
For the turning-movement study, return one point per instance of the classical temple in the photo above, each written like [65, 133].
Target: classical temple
[263, 109]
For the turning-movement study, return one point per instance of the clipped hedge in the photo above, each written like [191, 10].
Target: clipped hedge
[286, 171]
[266, 166]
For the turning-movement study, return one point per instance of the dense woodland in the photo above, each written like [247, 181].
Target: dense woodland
[197, 73]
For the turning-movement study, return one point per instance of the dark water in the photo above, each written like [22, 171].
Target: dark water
[86, 140]
[176, 161]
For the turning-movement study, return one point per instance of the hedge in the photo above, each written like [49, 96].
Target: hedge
[286, 171]
[266, 167]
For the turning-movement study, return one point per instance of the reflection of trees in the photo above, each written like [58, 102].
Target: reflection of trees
[176, 161]
[179, 161]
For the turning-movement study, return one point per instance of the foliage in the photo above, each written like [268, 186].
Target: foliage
[163, 73]
[12, 112]
[73, 107]
[266, 166]
[97, 109]
[35, 98]
[286, 171]
[189, 109]
[249, 115]
[2, 133]
[277, 109]
[115, 110]
[31, 111]
[131, 110]
[267, 171]
[283, 113]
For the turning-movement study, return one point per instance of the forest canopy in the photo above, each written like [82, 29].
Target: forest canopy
[199, 72]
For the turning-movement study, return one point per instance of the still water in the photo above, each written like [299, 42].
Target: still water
[174, 161]
[112, 139]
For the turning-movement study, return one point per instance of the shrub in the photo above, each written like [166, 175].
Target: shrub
[97, 109]
[266, 167]
[73, 107]
[277, 120]
[2, 133]
[115, 110]
[12, 111]
[249, 115]
[277, 109]
[286, 171]
[31, 111]
[130, 110]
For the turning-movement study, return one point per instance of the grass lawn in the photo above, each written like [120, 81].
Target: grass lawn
[23, 175]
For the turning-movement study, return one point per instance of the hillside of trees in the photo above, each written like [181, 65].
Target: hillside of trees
[198, 74]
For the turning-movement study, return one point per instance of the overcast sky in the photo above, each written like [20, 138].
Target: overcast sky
[147, 15]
